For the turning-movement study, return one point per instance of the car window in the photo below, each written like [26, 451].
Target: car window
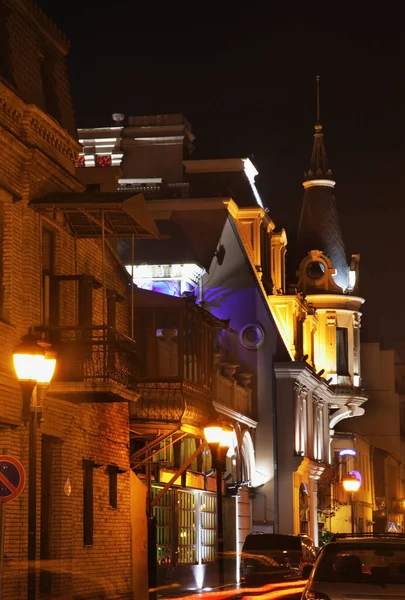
[271, 541]
[357, 563]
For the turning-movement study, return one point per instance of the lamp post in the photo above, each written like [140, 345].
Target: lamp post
[352, 485]
[219, 439]
[34, 364]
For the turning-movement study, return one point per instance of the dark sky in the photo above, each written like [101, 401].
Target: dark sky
[245, 79]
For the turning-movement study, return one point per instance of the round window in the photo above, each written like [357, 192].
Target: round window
[315, 269]
[252, 336]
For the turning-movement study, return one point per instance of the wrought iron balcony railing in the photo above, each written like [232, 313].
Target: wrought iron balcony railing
[96, 354]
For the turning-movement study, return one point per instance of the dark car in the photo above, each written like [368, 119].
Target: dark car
[276, 557]
[363, 565]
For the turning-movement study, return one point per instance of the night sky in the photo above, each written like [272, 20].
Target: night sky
[245, 79]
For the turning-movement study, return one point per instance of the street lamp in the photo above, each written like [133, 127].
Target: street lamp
[351, 484]
[219, 439]
[34, 364]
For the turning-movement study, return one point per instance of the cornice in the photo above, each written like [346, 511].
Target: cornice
[214, 165]
[189, 204]
[338, 301]
[233, 414]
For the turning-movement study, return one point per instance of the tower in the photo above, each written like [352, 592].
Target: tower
[326, 277]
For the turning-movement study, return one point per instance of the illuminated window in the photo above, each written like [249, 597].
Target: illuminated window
[163, 513]
[103, 161]
[208, 528]
[187, 541]
[186, 521]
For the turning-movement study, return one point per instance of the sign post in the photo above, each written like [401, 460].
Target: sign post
[12, 482]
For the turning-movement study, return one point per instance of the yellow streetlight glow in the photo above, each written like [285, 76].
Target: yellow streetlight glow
[34, 367]
[33, 361]
[226, 440]
[351, 483]
[213, 433]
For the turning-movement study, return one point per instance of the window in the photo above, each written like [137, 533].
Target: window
[51, 101]
[208, 528]
[103, 160]
[342, 349]
[88, 516]
[5, 53]
[185, 521]
[163, 513]
[48, 253]
[187, 542]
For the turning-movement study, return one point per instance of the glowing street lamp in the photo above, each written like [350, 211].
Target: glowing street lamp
[34, 364]
[351, 484]
[219, 439]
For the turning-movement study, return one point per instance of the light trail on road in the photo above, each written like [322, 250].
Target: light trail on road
[271, 591]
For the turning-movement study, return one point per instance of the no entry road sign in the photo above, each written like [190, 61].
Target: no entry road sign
[12, 478]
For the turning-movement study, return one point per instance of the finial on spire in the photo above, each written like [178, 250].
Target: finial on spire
[319, 164]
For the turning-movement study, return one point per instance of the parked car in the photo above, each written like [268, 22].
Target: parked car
[276, 557]
[368, 566]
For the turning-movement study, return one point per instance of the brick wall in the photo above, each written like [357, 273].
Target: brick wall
[37, 68]
[38, 156]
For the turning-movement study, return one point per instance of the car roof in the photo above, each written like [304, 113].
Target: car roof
[370, 538]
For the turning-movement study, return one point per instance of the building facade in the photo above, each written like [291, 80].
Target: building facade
[301, 350]
[61, 278]
[383, 372]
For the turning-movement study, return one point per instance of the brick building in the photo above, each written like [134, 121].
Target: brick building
[60, 276]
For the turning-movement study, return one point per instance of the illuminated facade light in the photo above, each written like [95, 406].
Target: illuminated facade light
[348, 452]
[173, 280]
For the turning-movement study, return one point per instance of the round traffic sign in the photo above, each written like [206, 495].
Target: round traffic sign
[12, 478]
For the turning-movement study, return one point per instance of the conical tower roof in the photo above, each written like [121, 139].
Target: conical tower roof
[319, 227]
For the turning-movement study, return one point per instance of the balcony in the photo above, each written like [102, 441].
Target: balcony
[176, 337]
[179, 401]
[95, 363]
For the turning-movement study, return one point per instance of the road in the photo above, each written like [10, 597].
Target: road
[275, 591]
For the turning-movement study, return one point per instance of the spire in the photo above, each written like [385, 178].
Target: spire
[319, 163]
[319, 228]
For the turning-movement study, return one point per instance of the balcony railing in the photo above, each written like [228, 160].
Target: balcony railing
[233, 396]
[97, 354]
[171, 400]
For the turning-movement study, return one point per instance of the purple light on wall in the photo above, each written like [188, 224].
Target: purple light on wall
[357, 475]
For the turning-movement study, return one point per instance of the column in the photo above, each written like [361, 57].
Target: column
[313, 510]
